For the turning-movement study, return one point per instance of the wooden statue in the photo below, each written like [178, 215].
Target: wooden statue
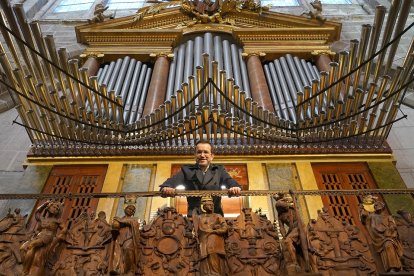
[168, 245]
[37, 250]
[12, 235]
[337, 248]
[87, 248]
[99, 14]
[384, 236]
[405, 228]
[126, 247]
[291, 239]
[210, 229]
[252, 247]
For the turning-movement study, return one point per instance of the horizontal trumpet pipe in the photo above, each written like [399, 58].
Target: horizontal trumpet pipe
[10, 44]
[366, 28]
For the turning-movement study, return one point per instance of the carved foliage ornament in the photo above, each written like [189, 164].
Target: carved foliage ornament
[205, 11]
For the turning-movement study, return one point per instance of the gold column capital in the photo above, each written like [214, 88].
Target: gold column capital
[325, 52]
[169, 55]
[261, 55]
[98, 56]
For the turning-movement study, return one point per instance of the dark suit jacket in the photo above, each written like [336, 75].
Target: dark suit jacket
[191, 176]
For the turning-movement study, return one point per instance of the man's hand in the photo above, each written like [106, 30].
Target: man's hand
[234, 191]
[167, 191]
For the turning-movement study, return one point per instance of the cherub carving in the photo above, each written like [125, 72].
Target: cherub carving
[317, 12]
[99, 14]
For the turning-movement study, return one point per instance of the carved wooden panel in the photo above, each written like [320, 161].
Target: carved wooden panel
[338, 248]
[230, 205]
[86, 248]
[347, 176]
[75, 179]
[252, 247]
[168, 246]
[405, 228]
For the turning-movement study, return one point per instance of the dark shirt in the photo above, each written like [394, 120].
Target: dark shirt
[193, 178]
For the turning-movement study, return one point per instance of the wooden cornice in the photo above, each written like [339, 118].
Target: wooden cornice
[269, 32]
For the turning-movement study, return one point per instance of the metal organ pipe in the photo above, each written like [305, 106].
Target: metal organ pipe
[188, 65]
[285, 90]
[301, 72]
[245, 74]
[128, 78]
[227, 59]
[121, 76]
[399, 27]
[13, 26]
[102, 73]
[208, 48]
[179, 70]
[236, 66]
[137, 96]
[131, 91]
[109, 73]
[294, 73]
[389, 26]
[198, 51]
[171, 76]
[376, 32]
[113, 77]
[301, 63]
[288, 78]
[283, 112]
[144, 93]
[275, 100]
[218, 51]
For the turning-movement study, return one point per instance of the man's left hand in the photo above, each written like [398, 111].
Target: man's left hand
[234, 191]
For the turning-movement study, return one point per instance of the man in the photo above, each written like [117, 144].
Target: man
[202, 176]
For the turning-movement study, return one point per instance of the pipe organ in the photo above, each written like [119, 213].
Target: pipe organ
[206, 89]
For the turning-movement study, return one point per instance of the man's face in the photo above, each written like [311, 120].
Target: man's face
[208, 207]
[203, 155]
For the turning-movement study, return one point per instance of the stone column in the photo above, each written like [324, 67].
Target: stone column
[258, 85]
[322, 59]
[158, 84]
[92, 63]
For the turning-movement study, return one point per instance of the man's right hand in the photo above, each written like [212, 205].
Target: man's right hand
[167, 191]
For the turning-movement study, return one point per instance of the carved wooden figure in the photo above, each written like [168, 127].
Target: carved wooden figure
[291, 239]
[126, 253]
[168, 245]
[38, 249]
[252, 247]
[405, 228]
[210, 229]
[337, 248]
[12, 235]
[87, 249]
[384, 236]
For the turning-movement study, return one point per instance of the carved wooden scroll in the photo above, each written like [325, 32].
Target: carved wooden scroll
[252, 247]
[405, 228]
[337, 248]
[168, 245]
[87, 247]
